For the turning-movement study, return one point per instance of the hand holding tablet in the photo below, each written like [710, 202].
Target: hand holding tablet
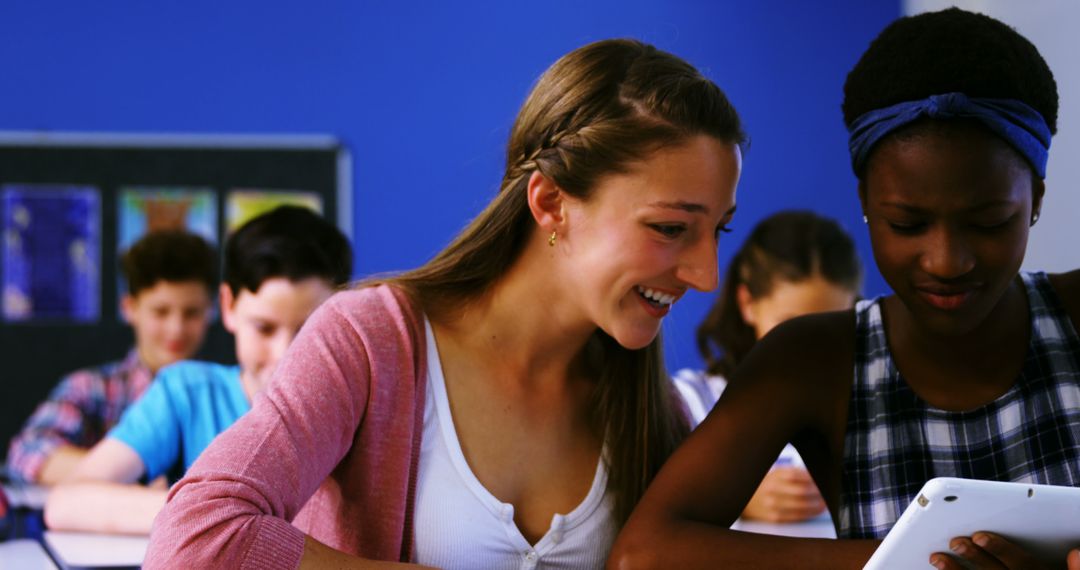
[1020, 525]
[989, 550]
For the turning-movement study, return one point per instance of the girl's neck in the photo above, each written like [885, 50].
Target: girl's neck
[963, 371]
[525, 327]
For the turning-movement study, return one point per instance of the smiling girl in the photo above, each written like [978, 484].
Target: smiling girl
[504, 405]
[969, 369]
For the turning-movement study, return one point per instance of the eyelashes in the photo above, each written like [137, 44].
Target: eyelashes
[672, 231]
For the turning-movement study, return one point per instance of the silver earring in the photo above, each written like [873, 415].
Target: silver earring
[865, 220]
[1034, 218]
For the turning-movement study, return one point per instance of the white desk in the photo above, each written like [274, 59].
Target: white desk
[24, 554]
[26, 496]
[820, 527]
[90, 550]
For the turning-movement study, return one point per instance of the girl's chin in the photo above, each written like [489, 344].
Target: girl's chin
[635, 341]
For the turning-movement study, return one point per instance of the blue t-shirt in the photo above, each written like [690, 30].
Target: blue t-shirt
[187, 405]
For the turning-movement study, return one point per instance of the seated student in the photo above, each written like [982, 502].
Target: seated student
[278, 268]
[970, 368]
[171, 277]
[794, 263]
[505, 404]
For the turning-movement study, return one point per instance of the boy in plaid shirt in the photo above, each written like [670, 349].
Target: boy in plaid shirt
[171, 278]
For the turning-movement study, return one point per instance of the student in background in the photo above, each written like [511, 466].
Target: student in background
[794, 263]
[504, 405]
[968, 369]
[278, 268]
[171, 277]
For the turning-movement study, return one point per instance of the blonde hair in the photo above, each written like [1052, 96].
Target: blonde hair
[592, 113]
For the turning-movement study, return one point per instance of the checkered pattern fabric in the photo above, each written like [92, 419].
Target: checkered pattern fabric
[80, 410]
[895, 441]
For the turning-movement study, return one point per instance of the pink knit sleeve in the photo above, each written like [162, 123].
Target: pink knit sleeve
[232, 508]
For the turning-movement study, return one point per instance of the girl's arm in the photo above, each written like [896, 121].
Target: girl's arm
[233, 508]
[794, 387]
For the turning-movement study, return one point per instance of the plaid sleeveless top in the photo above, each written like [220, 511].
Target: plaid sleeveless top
[895, 441]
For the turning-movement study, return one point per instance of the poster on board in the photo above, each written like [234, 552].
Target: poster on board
[145, 209]
[51, 252]
[243, 204]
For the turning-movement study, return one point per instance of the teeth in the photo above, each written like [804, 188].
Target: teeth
[657, 296]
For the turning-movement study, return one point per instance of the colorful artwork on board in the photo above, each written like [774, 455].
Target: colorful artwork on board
[51, 252]
[143, 209]
[242, 204]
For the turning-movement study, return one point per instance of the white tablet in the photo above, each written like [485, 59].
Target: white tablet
[1044, 518]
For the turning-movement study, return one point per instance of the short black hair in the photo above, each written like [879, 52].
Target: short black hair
[946, 52]
[290, 242]
[175, 256]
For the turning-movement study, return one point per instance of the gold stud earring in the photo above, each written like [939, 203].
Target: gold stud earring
[551, 239]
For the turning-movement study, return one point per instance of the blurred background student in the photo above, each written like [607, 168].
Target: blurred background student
[171, 277]
[794, 263]
[278, 268]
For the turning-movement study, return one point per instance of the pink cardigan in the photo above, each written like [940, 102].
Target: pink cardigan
[332, 446]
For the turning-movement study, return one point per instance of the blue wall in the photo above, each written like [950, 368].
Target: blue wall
[424, 93]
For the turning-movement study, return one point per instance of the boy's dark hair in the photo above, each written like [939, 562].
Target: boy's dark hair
[946, 52]
[290, 242]
[171, 255]
[789, 246]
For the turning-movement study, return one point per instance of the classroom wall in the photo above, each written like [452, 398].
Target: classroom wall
[1051, 25]
[424, 94]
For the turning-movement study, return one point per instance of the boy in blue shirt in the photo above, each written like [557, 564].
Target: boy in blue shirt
[278, 268]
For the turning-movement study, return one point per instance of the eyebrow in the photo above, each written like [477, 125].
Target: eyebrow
[692, 207]
[976, 208]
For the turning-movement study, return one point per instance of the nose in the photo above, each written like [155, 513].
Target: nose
[947, 254]
[174, 324]
[699, 267]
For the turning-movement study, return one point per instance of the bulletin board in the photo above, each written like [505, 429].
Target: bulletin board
[70, 204]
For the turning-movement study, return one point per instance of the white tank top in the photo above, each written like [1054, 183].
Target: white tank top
[459, 524]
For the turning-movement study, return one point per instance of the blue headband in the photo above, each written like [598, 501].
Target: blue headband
[1020, 125]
